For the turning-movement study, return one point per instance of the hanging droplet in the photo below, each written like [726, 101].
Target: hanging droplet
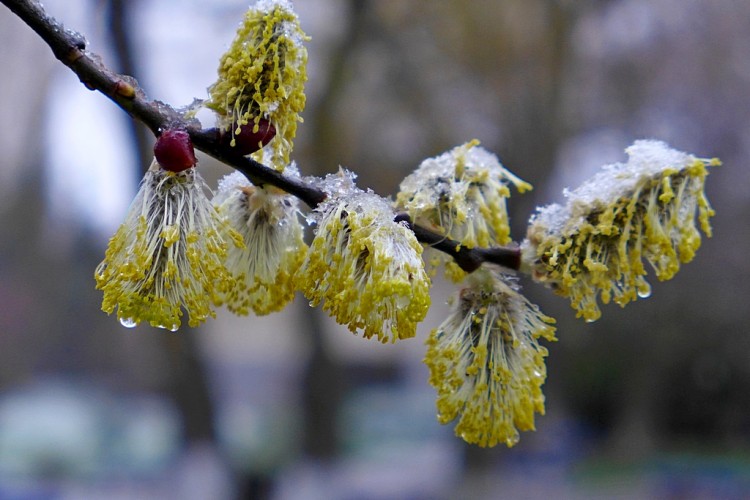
[644, 290]
[128, 322]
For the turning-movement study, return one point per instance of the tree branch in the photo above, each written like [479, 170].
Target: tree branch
[468, 259]
[70, 48]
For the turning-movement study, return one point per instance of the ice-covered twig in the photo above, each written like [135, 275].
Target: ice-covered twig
[70, 48]
[468, 259]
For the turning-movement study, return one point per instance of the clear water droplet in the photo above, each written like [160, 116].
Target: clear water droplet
[172, 328]
[128, 322]
[644, 291]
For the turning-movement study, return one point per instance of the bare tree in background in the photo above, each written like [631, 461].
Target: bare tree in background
[532, 80]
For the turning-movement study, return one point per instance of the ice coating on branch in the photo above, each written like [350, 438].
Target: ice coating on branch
[486, 363]
[232, 181]
[262, 76]
[462, 194]
[271, 245]
[594, 246]
[335, 186]
[646, 159]
[364, 268]
[342, 183]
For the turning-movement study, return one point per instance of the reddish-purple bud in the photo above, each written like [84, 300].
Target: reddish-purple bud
[246, 141]
[174, 150]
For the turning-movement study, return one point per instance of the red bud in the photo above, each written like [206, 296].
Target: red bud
[246, 141]
[174, 150]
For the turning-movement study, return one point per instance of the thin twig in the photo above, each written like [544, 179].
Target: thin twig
[70, 48]
[468, 259]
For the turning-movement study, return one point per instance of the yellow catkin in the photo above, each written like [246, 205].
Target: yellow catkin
[262, 75]
[486, 363]
[461, 194]
[366, 269]
[595, 248]
[167, 257]
[272, 249]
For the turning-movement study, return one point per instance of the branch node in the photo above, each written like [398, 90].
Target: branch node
[124, 89]
[73, 55]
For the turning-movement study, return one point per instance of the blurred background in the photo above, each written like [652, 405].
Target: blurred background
[651, 401]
